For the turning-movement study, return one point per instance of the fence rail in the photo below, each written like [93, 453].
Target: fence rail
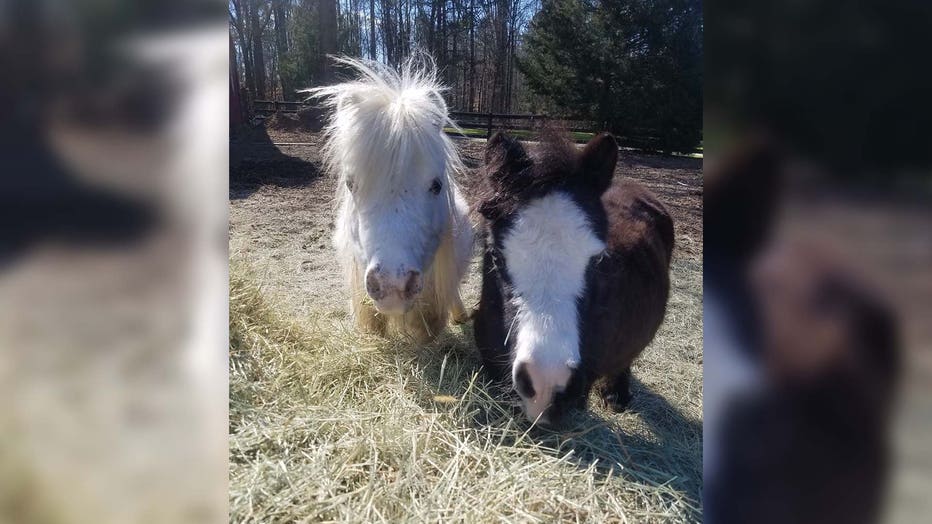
[493, 121]
[274, 106]
[490, 122]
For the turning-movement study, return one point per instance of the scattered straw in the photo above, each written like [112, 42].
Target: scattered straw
[330, 425]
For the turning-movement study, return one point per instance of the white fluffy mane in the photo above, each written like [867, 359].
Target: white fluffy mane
[382, 121]
[383, 125]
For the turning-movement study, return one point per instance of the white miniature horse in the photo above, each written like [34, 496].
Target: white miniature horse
[402, 233]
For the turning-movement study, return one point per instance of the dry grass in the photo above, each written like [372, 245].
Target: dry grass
[330, 425]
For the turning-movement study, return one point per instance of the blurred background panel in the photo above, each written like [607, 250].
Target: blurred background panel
[113, 147]
[818, 268]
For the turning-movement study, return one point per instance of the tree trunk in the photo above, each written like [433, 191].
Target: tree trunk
[453, 69]
[444, 60]
[472, 54]
[372, 29]
[388, 31]
[510, 64]
[240, 24]
[258, 54]
[432, 23]
[237, 115]
[281, 47]
[327, 17]
[400, 27]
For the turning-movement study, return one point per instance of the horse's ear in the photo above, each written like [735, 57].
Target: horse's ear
[489, 209]
[495, 141]
[504, 155]
[597, 161]
[349, 100]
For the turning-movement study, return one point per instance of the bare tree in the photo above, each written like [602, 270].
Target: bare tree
[327, 16]
[372, 42]
[474, 42]
[281, 45]
[237, 19]
[256, 28]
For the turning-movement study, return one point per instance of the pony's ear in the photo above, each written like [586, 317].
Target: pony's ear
[597, 161]
[348, 100]
[489, 209]
[504, 155]
[495, 141]
[742, 192]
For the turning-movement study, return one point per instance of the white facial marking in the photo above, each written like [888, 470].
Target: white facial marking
[547, 252]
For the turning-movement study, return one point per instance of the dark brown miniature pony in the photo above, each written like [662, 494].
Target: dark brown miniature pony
[575, 273]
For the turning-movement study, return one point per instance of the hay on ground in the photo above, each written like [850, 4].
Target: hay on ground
[330, 425]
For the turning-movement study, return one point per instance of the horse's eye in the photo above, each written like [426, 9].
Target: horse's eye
[350, 185]
[435, 186]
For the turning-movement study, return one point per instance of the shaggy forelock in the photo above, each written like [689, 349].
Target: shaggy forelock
[555, 156]
[382, 120]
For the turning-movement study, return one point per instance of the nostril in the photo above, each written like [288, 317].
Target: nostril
[522, 380]
[373, 286]
[412, 284]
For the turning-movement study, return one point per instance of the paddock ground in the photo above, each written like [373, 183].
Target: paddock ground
[330, 425]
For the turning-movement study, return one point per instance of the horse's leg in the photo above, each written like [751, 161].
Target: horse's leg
[458, 311]
[463, 241]
[368, 319]
[617, 391]
[424, 322]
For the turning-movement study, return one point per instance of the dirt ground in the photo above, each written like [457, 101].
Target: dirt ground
[281, 213]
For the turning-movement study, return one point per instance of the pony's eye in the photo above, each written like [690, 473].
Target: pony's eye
[435, 186]
[350, 185]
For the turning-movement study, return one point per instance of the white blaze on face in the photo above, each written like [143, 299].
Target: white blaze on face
[547, 252]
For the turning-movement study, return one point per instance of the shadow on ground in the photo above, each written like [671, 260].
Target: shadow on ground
[256, 161]
[44, 200]
[657, 160]
[664, 450]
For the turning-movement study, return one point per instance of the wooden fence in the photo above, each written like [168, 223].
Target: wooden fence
[491, 122]
[494, 121]
[270, 107]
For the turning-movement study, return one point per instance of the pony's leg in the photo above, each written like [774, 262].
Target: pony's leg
[424, 322]
[617, 391]
[458, 311]
[463, 241]
[368, 319]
